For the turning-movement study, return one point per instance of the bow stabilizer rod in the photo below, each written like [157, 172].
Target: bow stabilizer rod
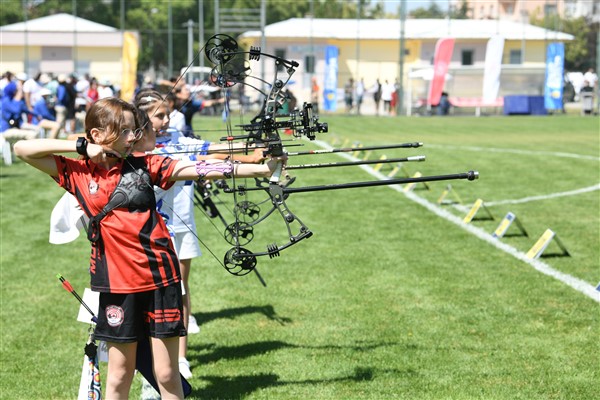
[471, 176]
[352, 163]
[353, 149]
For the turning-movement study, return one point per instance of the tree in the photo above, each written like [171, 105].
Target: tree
[433, 11]
[460, 12]
[580, 53]
[150, 19]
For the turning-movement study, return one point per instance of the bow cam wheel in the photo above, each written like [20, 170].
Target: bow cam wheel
[246, 211]
[239, 233]
[239, 261]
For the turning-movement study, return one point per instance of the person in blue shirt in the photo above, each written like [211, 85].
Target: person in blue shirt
[12, 125]
[44, 115]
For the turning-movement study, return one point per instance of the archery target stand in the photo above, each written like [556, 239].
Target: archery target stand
[411, 186]
[357, 146]
[399, 167]
[506, 223]
[542, 244]
[478, 206]
[449, 191]
[378, 167]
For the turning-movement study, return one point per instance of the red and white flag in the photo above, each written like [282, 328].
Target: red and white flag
[441, 60]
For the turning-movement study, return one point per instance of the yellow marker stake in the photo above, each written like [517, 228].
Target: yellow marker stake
[539, 246]
[412, 185]
[476, 206]
[377, 167]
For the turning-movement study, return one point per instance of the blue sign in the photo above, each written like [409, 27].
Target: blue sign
[553, 87]
[330, 81]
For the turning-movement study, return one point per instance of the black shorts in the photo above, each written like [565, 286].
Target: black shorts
[126, 318]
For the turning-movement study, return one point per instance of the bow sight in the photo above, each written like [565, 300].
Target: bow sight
[264, 128]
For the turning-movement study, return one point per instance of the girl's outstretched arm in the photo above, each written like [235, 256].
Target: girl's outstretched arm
[216, 169]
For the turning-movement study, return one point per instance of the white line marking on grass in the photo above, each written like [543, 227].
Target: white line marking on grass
[545, 196]
[576, 283]
[515, 151]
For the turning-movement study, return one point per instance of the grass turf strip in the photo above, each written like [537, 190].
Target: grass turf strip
[384, 301]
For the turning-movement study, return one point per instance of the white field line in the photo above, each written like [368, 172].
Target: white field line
[545, 196]
[575, 283]
[466, 208]
[515, 151]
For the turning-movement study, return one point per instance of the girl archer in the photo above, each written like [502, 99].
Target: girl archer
[133, 263]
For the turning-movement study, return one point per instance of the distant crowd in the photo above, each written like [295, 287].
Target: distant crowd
[55, 106]
[48, 105]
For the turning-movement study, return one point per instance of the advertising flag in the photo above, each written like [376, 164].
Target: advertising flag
[441, 59]
[493, 66]
[129, 65]
[553, 87]
[330, 81]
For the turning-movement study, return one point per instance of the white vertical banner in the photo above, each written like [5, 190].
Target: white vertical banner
[493, 66]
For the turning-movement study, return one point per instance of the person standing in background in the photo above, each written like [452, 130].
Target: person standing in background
[360, 92]
[314, 95]
[376, 89]
[349, 95]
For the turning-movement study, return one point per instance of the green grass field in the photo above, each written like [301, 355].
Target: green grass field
[387, 300]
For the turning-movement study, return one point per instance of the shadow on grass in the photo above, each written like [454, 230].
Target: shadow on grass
[238, 387]
[231, 313]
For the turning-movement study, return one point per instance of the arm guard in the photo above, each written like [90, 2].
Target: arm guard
[203, 168]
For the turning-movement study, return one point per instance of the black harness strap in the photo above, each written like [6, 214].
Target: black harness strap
[128, 193]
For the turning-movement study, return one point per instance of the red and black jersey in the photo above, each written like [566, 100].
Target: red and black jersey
[134, 252]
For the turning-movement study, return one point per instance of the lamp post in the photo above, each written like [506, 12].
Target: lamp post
[524, 15]
[190, 48]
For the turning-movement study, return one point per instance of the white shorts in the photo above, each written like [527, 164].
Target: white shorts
[186, 245]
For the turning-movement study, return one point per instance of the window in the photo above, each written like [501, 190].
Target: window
[549, 9]
[466, 57]
[515, 57]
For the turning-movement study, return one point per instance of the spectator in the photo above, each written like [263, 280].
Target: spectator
[591, 77]
[314, 95]
[377, 89]
[7, 78]
[63, 100]
[44, 115]
[32, 88]
[360, 92]
[444, 106]
[105, 89]
[13, 108]
[349, 95]
[188, 106]
[92, 93]
[387, 91]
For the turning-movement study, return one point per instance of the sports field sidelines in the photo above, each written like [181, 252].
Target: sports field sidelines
[577, 284]
[387, 300]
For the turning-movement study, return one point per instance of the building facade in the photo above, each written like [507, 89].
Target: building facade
[65, 44]
[522, 10]
[370, 50]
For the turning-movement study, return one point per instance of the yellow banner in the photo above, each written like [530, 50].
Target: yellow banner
[129, 65]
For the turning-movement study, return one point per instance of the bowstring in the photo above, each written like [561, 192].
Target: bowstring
[175, 214]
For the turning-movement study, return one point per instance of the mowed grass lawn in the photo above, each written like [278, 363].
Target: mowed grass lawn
[386, 301]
